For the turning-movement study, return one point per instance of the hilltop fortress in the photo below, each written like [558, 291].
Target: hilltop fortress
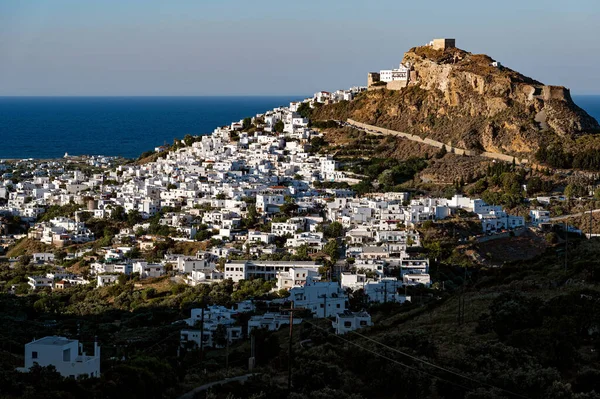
[465, 100]
[445, 50]
[396, 79]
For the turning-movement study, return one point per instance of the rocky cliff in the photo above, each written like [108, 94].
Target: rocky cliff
[462, 99]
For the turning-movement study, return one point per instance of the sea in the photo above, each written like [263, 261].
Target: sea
[49, 127]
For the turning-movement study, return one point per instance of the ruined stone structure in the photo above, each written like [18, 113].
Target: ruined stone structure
[372, 78]
[443, 44]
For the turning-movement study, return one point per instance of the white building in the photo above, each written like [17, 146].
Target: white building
[42, 257]
[384, 290]
[389, 75]
[107, 279]
[36, 282]
[295, 277]
[146, 269]
[267, 270]
[499, 220]
[539, 216]
[323, 299]
[66, 355]
[270, 321]
[350, 321]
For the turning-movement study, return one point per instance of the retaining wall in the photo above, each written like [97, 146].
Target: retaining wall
[437, 144]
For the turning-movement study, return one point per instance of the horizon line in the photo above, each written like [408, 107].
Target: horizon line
[149, 95]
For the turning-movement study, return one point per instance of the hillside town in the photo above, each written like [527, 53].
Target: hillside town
[254, 192]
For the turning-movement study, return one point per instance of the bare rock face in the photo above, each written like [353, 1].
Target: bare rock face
[459, 97]
[513, 107]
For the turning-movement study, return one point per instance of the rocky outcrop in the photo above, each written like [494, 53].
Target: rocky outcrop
[460, 98]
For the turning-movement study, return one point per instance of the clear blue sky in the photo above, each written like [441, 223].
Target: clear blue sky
[263, 47]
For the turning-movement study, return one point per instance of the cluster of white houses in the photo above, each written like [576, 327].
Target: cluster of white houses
[214, 184]
[222, 178]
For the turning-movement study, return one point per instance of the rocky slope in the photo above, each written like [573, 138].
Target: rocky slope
[460, 98]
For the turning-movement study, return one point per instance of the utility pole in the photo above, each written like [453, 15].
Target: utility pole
[227, 355]
[461, 309]
[385, 283]
[291, 336]
[324, 296]
[591, 217]
[202, 335]
[252, 360]
[566, 243]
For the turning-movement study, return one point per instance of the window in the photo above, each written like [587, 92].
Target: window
[337, 306]
[34, 355]
[67, 355]
[363, 322]
[347, 324]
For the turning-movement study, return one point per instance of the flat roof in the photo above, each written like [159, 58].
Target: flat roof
[53, 340]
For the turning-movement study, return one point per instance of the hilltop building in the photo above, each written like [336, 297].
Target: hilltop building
[442, 44]
[396, 79]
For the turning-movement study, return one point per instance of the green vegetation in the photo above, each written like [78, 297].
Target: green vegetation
[278, 127]
[304, 110]
[556, 157]
[54, 211]
[389, 174]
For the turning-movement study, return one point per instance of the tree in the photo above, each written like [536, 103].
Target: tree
[317, 143]
[334, 230]
[304, 110]
[289, 208]
[246, 123]
[386, 178]
[24, 260]
[442, 152]
[133, 217]
[331, 249]
[302, 252]
[219, 336]
[122, 279]
[188, 140]
[118, 214]
[278, 127]
[60, 255]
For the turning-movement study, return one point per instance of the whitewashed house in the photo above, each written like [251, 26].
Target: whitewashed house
[66, 355]
[351, 321]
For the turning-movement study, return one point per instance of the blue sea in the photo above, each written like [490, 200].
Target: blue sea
[48, 127]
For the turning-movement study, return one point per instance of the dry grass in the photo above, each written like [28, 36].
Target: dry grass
[27, 246]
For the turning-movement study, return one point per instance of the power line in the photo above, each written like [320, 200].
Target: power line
[390, 359]
[435, 365]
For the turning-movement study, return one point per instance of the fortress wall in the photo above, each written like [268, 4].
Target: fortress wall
[397, 84]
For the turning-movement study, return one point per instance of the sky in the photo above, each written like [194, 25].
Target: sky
[265, 47]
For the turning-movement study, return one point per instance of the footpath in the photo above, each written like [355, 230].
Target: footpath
[434, 143]
[193, 392]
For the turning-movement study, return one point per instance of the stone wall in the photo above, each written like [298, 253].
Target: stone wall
[397, 84]
[372, 77]
[437, 144]
[443, 44]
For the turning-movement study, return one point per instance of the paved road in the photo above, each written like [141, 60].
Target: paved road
[240, 378]
[573, 215]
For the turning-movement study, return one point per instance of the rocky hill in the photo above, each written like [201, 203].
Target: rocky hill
[462, 99]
